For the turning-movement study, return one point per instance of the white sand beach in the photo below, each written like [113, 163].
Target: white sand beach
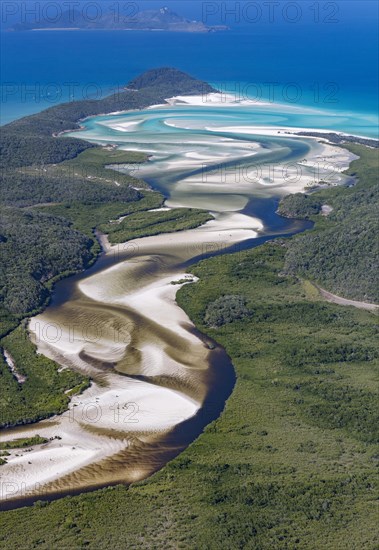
[123, 328]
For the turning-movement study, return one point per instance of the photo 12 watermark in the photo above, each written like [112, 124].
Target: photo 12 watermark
[253, 174]
[68, 14]
[271, 11]
[268, 93]
[83, 332]
[117, 413]
[58, 92]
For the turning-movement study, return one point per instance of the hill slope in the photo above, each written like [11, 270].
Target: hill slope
[120, 17]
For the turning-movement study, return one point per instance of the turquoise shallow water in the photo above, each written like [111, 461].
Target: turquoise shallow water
[258, 114]
[332, 67]
[204, 156]
[174, 376]
[218, 156]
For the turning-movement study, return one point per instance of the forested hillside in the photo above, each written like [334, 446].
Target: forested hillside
[36, 247]
[341, 254]
[30, 140]
[68, 180]
[54, 192]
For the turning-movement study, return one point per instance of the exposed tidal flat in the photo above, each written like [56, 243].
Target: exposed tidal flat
[156, 381]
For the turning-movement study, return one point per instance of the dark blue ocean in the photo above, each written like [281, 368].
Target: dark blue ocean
[331, 66]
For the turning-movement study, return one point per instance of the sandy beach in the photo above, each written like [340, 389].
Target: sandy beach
[107, 418]
[122, 326]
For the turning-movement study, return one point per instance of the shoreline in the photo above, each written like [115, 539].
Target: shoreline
[147, 301]
[82, 455]
[92, 396]
[198, 100]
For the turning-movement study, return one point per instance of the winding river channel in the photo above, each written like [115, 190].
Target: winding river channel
[157, 382]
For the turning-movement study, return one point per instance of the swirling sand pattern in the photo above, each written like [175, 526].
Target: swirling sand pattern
[156, 381]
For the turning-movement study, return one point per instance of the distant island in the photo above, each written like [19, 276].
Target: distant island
[163, 19]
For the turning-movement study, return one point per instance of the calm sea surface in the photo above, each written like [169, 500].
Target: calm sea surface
[333, 67]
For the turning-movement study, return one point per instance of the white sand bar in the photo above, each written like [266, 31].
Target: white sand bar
[122, 326]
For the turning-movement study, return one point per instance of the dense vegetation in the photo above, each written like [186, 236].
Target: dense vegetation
[342, 138]
[95, 165]
[74, 189]
[86, 217]
[24, 442]
[226, 309]
[48, 216]
[18, 150]
[27, 189]
[143, 224]
[291, 463]
[112, 193]
[36, 248]
[30, 140]
[43, 392]
[167, 80]
[300, 205]
[341, 254]
[54, 193]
